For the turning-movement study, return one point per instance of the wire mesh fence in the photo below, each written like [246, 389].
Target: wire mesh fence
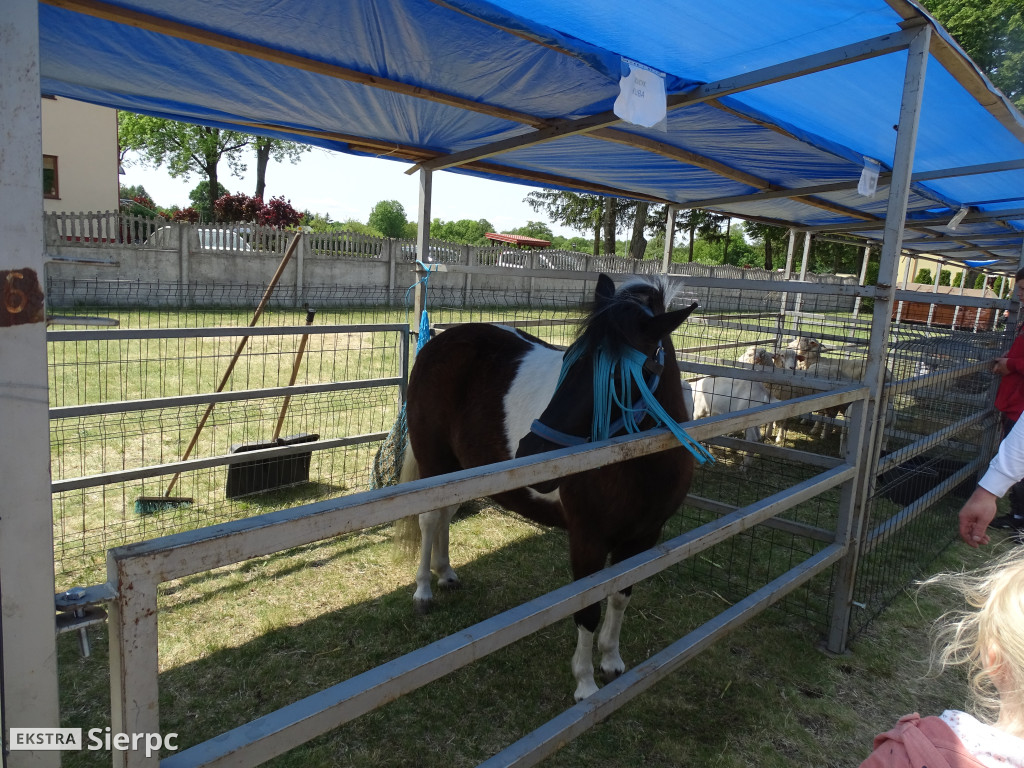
[128, 405]
[934, 423]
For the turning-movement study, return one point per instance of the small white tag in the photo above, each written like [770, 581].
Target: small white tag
[641, 98]
[868, 184]
[957, 218]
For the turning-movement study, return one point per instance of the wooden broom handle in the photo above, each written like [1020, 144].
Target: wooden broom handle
[238, 351]
[294, 376]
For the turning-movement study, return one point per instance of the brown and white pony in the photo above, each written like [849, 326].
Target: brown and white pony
[482, 393]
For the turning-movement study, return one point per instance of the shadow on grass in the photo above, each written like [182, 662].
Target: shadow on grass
[458, 720]
[244, 641]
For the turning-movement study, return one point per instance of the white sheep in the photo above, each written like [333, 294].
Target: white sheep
[842, 371]
[719, 395]
[808, 351]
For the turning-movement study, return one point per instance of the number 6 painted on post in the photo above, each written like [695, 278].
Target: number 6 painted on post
[10, 293]
[21, 298]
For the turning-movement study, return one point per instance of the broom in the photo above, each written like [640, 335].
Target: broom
[147, 505]
[249, 477]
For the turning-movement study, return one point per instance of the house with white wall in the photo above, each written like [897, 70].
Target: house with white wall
[80, 156]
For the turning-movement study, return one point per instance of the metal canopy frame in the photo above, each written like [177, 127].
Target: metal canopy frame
[25, 536]
[502, 158]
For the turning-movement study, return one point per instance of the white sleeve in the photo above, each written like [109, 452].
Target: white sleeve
[1007, 467]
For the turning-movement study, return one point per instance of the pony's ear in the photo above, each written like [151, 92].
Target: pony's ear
[605, 289]
[660, 326]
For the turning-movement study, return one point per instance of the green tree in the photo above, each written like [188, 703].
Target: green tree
[133, 191]
[701, 225]
[992, 33]
[461, 231]
[578, 211]
[535, 229]
[351, 225]
[388, 218]
[829, 258]
[268, 149]
[577, 244]
[200, 198]
[771, 240]
[185, 149]
[637, 241]
[739, 251]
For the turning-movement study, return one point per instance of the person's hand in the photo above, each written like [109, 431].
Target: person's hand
[975, 515]
[999, 366]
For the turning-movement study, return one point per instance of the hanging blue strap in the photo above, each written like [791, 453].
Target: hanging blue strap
[423, 335]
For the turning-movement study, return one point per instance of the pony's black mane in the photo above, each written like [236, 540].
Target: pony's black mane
[614, 322]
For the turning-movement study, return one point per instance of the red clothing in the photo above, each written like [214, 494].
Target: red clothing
[1010, 395]
[917, 743]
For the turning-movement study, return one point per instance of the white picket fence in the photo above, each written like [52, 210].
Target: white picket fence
[99, 229]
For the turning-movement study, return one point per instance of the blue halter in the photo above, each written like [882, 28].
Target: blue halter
[614, 378]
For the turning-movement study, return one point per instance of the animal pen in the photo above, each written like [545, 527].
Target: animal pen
[758, 528]
[755, 126]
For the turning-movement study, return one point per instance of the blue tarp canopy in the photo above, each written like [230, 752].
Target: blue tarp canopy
[774, 109]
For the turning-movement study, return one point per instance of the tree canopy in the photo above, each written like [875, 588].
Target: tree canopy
[388, 218]
[461, 231]
[185, 149]
[537, 229]
[268, 149]
[992, 33]
[201, 198]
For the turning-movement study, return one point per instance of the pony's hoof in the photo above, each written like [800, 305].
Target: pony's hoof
[421, 607]
[611, 674]
[450, 584]
[584, 690]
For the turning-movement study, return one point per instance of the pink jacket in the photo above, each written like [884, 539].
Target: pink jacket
[917, 743]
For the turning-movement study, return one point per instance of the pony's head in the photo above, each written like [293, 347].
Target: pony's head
[618, 375]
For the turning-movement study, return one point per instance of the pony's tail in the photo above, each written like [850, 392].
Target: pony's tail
[406, 531]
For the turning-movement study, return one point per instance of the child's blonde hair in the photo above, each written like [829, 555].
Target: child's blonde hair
[989, 639]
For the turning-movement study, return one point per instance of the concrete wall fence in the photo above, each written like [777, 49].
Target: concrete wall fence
[125, 253]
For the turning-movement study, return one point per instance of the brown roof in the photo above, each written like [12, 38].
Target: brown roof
[520, 241]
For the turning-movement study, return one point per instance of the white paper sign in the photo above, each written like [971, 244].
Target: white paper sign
[641, 98]
[868, 184]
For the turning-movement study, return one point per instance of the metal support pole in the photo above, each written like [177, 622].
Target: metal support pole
[786, 275]
[862, 279]
[977, 310]
[957, 308]
[854, 506]
[134, 660]
[423, 216]
[28, 648]
[670, 236]
[903, 284]
[422, 244]
[935, 289]
[803, 278]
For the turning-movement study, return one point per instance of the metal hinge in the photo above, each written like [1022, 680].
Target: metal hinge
[79, 608]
